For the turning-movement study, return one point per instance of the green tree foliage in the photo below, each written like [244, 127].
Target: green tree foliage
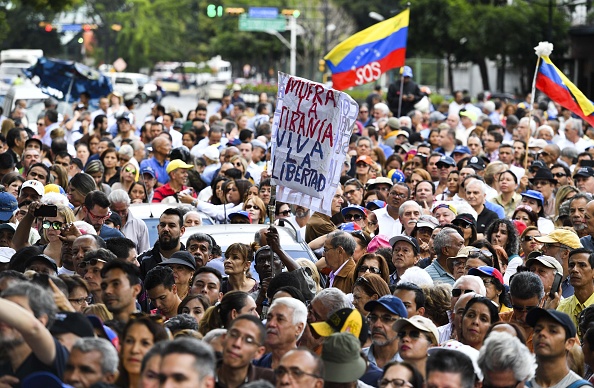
[19, 28]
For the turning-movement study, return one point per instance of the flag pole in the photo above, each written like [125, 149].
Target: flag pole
[401, 91]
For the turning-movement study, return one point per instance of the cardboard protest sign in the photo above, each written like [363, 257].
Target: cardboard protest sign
[310, 140]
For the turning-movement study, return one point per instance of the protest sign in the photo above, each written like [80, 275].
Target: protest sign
[310, 140]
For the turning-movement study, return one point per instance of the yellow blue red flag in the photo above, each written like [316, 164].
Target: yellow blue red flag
[363, 57]
[552, 82]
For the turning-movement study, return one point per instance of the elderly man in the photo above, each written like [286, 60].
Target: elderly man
[526, 293]
[408, 214]
[574, 136]
[187, 362]
[388, 217]
[338, 252]
[446, 244]
[558, 244]
[577, 213]
[285, 324]
[30, 157]
[176, 187]
[92, 361]
[300, 368]
[584, 179]
[405, 254]
[243, 343]
[324, 304]
[581, 267]
[133, 228]
[476, 195]
[159, 162]
[383, 313]
[547, 268]
[505, 361]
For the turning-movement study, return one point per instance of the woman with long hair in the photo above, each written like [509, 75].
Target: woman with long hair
[96, 169]
[235, 192]
[137, 193]
[480, 313]
[79, 186]
[368, 287]
[525, 214]
[139, 335]
[194, 305]
[238, 259]
[60, 175]
[110, 160]
[467, 223]
[528, 243]
[129, 174]
[232, 305]
[503, 232]
[218, 196]
[255, 207]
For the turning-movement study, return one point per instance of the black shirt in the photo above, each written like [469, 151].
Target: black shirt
[484, 220]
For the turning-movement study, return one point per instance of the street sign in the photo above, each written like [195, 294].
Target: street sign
[71, 27]
[262, 24]
[263, 12]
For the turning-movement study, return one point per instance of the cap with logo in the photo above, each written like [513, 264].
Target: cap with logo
[466, 218]
[461, 150]
[476, 163]
[345, 320]
[485, 270]
[148, 170]
[240, 213]
[35, 185]
[585, 172]
[446, 160]
[8, 204]
[391, 303]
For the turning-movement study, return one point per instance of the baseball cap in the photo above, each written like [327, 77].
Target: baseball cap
[342, 361]
[561, 236]
[537, 195]
[148, 170]
[260, 144]
[547, 261]
[184, 258]
[178, 123]
[35, 185]
[407, 72]
[33, 140]
[125, 116]
[377, 242]
[444, 205]
[411, 240]
[463, 253]
[212, 153]
[470, 114]
[427, 221]
[390, 303]
[421, 323]
[378, 181]
[486, 270]
[177, 163]
[393, 123]
[107, 332]
[584, 171]
[8, 204]
[537, 143]
[375, 204]
[71, 322]
[241, 213]
[563, 319]
[361, 209]
[461, 150]
[345, 320]
[365, 159]
[6, 254]
[42, 257]
[236, 88]
[520, 226]
[350, 227]
[465, 217]
[53, 188]
[476, 163]
[396, 176]
[446, 160]
[403, 133]
[537, 164]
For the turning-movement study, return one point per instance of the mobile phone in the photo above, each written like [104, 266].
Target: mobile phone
[556, 284]
[41, 279]
[586, 163]
[46, 211]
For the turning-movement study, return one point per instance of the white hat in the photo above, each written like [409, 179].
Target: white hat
[212, 153]
[6, 254]
[35, 185]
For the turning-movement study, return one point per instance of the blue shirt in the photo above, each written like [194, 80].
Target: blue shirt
[108, 232]
[495, 208]
[160, 170]
[438, 274]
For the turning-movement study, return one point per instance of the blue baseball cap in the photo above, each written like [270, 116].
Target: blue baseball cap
[8, 204]
[375, 204]
[148, 170]
[390, 303]
[407, 72]
[537, 195]
[461, 150]
[241, 213]
[345, 210]
[446, 160]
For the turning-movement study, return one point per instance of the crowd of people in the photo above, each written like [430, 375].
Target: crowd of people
[457, 251]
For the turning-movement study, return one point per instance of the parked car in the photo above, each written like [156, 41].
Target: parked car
[151, 212]
[171, 86]
[134, 86]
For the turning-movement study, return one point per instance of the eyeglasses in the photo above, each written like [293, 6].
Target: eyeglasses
[90, 262]
[412, 334]
[250, 207]
[235, 334]
[523, 309]
[397, 195]
[129, 169]
[81, 301]
[351, 217]
[559, 175]
[528, 238]
[549, 246]
[56, 225]
[456, 292]
[284, 213]
[99, 218]
[365, 268]
[385, 319]
[294, 372]
[383, 383]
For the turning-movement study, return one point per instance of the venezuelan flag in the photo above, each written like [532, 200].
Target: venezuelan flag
[363, 57]
[552, 82]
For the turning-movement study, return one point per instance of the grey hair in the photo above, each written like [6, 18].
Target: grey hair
[479, 182]
[532, 124]
[119, 196]
[576, 124]
[109, 354]
[471, 278]
[586, 196]
[40, 301]
[298, 308]
[442, 239]
[405, 120]
[546, 128]
[213, 334]
[344, 240]
[364, 138]
[526, 285]
[204, 358]
[383, 107]
[569, 152]
[502, 352]
[333, 298]
[406, 204]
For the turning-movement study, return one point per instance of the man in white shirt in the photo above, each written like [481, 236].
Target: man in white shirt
[574, 136]
[388, 216]
[176, 136]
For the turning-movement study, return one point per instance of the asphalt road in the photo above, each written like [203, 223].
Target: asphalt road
[184, 103]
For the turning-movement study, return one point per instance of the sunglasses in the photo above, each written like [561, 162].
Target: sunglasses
[559, 175]
[56, 225]
[360, 234]
[528, 238]
[456, 292]
[130, 170]
[91, 262]
[250, 207]
[284, 213]
[523, 309]
[412, 334]
[365, 268]
[351, 217]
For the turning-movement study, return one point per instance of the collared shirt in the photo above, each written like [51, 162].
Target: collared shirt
[46, 139]
[439, 274]
[368, 352]
[566, 288]
[137, 231]
[572, 307]
[509, 209]
[388, 225]
[333, 274]
[160, 169]
[394, 278]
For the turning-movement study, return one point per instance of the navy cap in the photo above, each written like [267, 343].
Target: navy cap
[584, 171]
[44, 258]
[537, 164]
[476, 163]
[361, 209]
[446, 160]
[391, 303]
[375, 204]
[563, 319]
[184, 258]
[8, 204]
[148, 170]
[461, 150]
[411, 240]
